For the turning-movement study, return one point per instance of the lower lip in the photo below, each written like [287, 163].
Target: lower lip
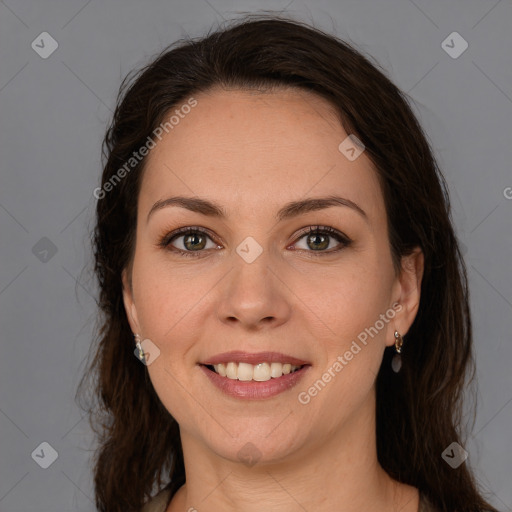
[254, 390]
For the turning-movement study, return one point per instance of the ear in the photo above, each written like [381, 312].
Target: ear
[129, 303]
[408, 291]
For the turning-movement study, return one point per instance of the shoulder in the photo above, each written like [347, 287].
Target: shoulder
[158, 503]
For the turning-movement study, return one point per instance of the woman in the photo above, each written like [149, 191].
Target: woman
[273, 243]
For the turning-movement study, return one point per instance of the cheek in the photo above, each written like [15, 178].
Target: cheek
[161, 296]
[174, 301]
[349, 298]
[350, 340]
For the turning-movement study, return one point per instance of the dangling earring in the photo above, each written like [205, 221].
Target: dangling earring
[396, 362]
[140, 353]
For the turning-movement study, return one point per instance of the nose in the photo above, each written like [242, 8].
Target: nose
[253, 294]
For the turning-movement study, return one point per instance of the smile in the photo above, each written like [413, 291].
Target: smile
[260, 372]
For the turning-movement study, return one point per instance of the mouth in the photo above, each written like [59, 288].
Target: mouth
[260, 372]
[254, 376]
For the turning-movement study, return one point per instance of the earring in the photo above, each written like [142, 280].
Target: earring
[140, 355]
[396, 362]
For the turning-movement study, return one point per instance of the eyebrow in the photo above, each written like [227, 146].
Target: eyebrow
[289, 210]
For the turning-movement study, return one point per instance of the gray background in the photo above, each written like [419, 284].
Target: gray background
[54, 113]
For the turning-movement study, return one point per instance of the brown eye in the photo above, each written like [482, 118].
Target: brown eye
[319, 238]
[318, 241]
[193, 241]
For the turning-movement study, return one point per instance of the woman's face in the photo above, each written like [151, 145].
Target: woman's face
[256, 282]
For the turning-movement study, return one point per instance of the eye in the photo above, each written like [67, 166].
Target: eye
[194, 240]
[319, 238]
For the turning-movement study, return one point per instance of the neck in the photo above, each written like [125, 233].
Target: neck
[339, 472]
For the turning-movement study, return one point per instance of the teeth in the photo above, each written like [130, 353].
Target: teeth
[276, 370]
[260, 372]
[231, 371]
[245, 371]
[220, 369]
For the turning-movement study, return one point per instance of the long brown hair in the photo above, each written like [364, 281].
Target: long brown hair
[419, 409]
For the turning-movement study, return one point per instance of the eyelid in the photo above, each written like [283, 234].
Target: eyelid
[165, 241]
[344, 240]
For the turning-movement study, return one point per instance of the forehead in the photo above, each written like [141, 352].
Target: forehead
[253, 150]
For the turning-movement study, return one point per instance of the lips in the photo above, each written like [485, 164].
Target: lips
[254, 376]
[238, 356]
[254, 390]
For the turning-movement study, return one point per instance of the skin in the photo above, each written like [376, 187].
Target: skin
[252, 152]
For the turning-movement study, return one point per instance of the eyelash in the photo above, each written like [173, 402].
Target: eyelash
[167, 239]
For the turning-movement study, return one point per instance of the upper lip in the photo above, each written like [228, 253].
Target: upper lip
[239, 356]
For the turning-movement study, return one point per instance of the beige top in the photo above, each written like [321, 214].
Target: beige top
[160, 501]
